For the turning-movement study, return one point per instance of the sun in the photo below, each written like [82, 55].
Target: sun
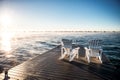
[6, 19]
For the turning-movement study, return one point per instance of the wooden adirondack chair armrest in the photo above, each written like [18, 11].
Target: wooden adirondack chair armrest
[87, 49]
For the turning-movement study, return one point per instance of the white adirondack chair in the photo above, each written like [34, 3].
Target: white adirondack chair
[67, 50]
[94, 50]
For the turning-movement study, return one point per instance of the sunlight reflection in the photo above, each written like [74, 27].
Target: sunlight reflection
[6, 31]
[6, 41]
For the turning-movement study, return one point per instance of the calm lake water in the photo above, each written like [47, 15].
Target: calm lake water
[35, 43]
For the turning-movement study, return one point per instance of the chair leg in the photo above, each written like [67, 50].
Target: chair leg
[87, 55]
[77, 55]
[100, 59]
[70, 58]
[88, 59]
[62, 53]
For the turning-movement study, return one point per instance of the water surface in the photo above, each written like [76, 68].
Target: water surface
[35, 43]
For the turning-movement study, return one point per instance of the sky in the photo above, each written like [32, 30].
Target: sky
[61, 15]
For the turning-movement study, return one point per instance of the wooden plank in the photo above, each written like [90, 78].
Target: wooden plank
[48, 67]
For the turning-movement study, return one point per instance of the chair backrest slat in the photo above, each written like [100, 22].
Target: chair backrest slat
[95, 44]
[67, 43]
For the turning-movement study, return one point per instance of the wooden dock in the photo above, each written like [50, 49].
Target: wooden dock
[48, 67]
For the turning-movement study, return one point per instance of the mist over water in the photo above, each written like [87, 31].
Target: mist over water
[25, 46]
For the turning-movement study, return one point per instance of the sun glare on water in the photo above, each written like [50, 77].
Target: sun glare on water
[6, 33]
[6, 41]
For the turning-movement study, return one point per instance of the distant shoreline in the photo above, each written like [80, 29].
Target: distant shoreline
[70, 31]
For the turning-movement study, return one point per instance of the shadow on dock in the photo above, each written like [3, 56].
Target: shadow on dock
[1, 68]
